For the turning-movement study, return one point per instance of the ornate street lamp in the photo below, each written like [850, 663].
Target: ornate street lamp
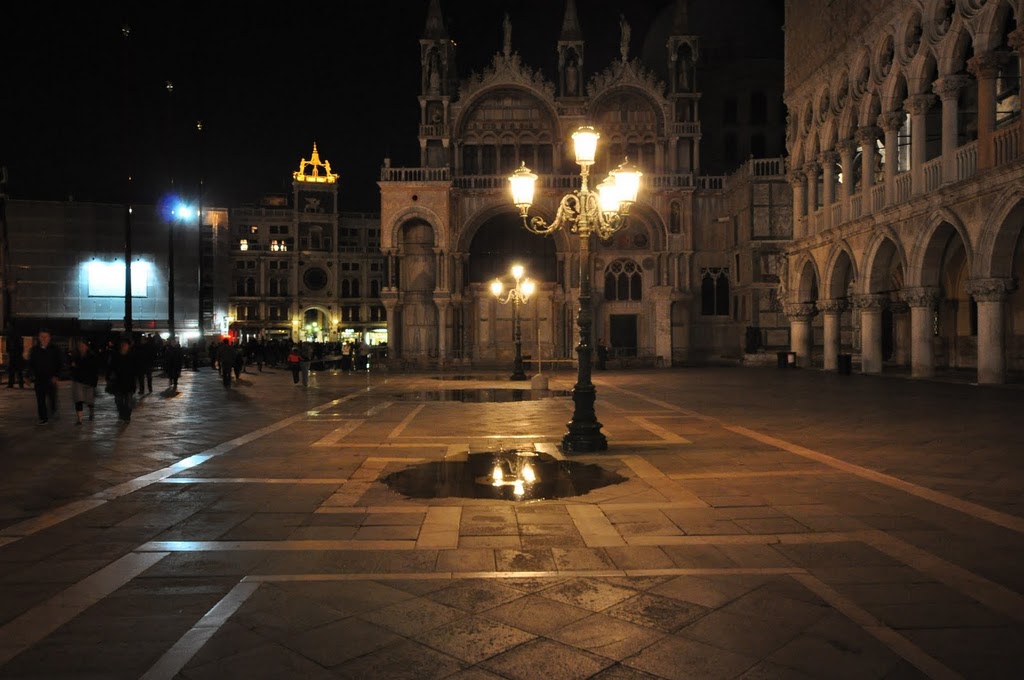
[583, 212]
[518, 295]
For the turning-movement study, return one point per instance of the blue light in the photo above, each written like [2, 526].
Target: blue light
[184, 212]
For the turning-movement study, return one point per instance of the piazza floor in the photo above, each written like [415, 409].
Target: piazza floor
[773, 524]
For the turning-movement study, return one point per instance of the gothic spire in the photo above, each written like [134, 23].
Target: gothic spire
[681, 18]
[435, 27]
[571, 31]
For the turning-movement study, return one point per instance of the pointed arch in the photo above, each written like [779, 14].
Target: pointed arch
[807, 278]
[840, 267]
[884, 255]
[995, 250]
[928, 250]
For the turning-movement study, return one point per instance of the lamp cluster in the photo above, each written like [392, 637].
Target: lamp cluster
[514, 471]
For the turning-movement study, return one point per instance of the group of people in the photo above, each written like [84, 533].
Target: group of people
[125, 366]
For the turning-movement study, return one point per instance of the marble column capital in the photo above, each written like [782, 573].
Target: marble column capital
[948, 87]
[847, 147]
[1016, 38]
[832, 307]
[925, 296]
[898, 307]
[812, 169]
[892, 121]
[986, 64]
[989, 290]
[868, 135]
[800, 311]
[795, 177]
[870, 303]
[919, 104]
[828, 159]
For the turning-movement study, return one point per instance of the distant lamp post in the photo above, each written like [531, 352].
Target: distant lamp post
[583, 212]
[517, 295]
[295, 329]
[181, 213]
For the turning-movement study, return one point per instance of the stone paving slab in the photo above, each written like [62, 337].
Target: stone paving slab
[748, 540]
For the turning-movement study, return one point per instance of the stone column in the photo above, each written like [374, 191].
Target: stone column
[828, 160]
[948, 88]
[990, 294]
[922, 329]
[847, 150]
[832, 326]
[801, 339]
[891, 123]
[985, 68]
[870, 307]
[811, 171]
[867, 136]
[796, 179]
[901, 332]
[917, 106]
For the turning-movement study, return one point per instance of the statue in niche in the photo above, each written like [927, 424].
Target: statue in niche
[507, 44]
[684, 70]
[434, 77]
[782, 272]
[572, 75]
[624, 40]
[675, 218]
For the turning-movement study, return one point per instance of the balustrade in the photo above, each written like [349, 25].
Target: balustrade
[902, 188]
[933, 174]
[877, 197]
[967, 160]
[1007, 144]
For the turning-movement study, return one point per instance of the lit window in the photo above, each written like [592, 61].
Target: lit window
[243, 244]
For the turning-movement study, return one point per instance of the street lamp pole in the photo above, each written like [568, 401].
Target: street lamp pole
[518, 295]
[583, 212]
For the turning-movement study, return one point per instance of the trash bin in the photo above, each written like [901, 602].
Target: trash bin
[786, 359]
[844, 364]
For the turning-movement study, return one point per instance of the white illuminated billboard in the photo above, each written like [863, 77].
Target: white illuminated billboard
[106, 279]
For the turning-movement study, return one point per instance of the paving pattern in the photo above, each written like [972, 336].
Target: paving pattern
[773, 524]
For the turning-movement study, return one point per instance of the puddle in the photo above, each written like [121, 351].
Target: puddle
[458, 377]
[502, 475]
[480, 396]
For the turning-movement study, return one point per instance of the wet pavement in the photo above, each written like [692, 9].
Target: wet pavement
[761, 524]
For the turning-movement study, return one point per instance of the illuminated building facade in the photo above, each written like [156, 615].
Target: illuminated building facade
[304, 270]
[693, 275]
[67, 267]
[905, 153]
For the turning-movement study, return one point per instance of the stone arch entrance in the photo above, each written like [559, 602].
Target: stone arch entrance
[883, 316]
[315, 324]
[836, 308]
[800, 309]
[945, 267]
[417, 277]
[1000, 304]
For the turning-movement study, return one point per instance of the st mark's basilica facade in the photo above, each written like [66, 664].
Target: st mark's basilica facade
[694, 274]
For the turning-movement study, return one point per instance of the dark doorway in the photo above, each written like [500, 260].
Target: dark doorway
[623, 334]
[888, 335]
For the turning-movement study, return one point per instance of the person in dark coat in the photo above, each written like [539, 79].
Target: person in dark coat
[226, 360]
[145, 357]
[44, 363]
[602, 355]
[122, 378]
[174, 358]
[85, 375]
[15, 358]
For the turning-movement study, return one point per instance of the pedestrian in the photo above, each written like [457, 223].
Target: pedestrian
[261, 355]
[145, 357]
[295, 364]
[602, 355]
[239, 363]
[364, 356]
[121, 379]
[173, 360]
[306, 355]
[194, 355]
[226, 361]
[44, 364]
[15, 358]
[85, 375]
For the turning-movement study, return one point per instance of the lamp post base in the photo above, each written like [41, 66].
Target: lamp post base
[584, 438]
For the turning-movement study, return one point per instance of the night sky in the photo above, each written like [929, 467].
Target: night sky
[82, 104]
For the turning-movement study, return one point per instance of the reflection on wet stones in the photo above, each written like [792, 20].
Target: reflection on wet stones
[482, 395]
[502, 475]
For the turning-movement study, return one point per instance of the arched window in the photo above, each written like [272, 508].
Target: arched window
[346, 288]
[355, 288]
[273, 288]
[758, 109]
[250, 287]
[239, 286]
[623, 281]
[374, 288]
[714, 292]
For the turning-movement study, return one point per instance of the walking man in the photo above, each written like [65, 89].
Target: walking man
[44, 362]
[226, 361]
[85, 375]
[145, 355]
[122, 379]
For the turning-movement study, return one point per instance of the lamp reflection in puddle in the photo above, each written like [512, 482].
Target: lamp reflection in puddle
[513, 468]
